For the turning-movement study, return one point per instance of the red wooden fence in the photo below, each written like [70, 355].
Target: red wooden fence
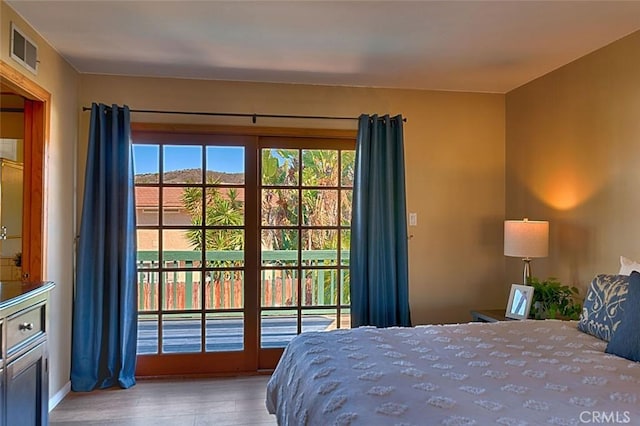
[277, 292]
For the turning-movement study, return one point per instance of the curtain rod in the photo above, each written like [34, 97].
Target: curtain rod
[253, 117]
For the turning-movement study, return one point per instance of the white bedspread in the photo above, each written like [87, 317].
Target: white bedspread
[508, 373]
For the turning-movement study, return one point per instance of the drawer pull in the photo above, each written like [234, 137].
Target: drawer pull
[25, 326]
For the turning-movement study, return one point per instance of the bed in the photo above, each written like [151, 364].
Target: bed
[510, 373]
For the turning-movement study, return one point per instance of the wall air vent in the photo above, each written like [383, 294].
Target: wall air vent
[23, 49]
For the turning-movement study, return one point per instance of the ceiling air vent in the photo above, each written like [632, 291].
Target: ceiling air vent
[23, 49]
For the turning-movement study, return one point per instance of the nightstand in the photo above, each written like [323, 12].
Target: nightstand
[489, 315]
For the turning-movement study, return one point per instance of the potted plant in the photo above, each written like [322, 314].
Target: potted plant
[552, 300]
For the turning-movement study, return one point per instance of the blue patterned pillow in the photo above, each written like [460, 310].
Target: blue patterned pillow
[601, 313]
[625, 342]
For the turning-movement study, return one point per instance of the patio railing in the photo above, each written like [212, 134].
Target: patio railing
[224, 288]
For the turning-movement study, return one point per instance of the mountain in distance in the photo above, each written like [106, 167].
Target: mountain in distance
[191, 176]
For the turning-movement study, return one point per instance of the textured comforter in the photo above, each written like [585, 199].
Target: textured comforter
[508, 373]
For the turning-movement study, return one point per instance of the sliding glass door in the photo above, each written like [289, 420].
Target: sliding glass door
[242, 244]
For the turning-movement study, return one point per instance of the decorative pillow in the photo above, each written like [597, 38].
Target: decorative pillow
[601, 312]
[625, 342]
[627, 266]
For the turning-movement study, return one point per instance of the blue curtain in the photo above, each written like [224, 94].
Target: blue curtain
[379, 266]
[105, 301]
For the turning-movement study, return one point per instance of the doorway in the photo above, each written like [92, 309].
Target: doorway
[35, 113]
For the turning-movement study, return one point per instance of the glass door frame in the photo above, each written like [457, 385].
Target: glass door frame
[203, 362]
[252, 358]
[269, 357]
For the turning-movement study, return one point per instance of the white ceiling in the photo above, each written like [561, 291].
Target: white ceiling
[482, 46]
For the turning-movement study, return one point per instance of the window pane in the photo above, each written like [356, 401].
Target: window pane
[348, 168]
[224, 289]
[225, 164]
[319, 207]
[225, 207]
[319, 320]
[280, 167]
[182, 248]
[148, 290]
[181, 206]
[279, 207]
[345, 318]
[181, 290]
[319, 247]
[279, 287]
[345, 246]
[225, 332]
[147, 202]
[279, 247]
[181, 333]
[346, 201]
[182, 164]
[225, 248]
[147, 245]
[320, 287]
[319, 167]
[147, 334]
[277, 328]
[146, 163]
[345, 296]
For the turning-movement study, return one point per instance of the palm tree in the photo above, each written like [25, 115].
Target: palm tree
[222, 209]
[280, 169]
[319, 206]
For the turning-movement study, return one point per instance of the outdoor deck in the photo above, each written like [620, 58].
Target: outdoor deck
[183, 335]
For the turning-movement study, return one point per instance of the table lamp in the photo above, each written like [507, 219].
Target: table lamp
[526, 239]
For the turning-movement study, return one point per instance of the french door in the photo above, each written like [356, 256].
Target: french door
[242, 243]
[305, 192]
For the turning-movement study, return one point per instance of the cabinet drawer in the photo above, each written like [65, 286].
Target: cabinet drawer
[25, 325]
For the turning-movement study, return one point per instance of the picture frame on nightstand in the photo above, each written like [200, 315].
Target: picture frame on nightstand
[519, 303]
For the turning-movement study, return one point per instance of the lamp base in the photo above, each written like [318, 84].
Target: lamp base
[526, 275]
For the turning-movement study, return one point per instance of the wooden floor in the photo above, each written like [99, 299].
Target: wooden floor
[170, 402]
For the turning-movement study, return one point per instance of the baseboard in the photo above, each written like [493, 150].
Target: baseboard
[59, 396]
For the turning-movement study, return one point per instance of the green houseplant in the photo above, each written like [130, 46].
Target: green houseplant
[552, 299]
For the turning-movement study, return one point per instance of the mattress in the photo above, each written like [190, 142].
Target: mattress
[508, 373]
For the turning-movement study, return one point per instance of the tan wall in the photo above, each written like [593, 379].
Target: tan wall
[60, 80]
[573, 147]
[454, 147]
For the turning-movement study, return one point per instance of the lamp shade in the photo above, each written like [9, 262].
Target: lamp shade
[526, 238]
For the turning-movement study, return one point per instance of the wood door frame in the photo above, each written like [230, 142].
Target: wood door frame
[209, 363]
[36, 139]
